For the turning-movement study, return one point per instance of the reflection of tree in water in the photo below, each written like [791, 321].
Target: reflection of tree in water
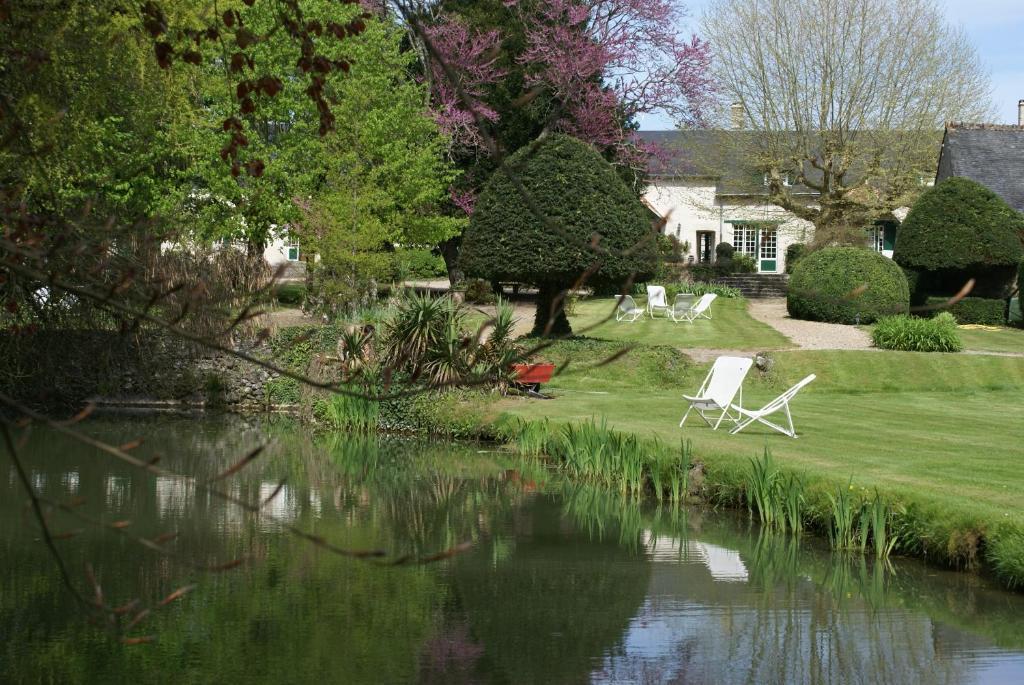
[551, 608]
[297, 614]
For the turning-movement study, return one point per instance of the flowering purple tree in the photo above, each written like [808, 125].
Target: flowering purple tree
[600, 63]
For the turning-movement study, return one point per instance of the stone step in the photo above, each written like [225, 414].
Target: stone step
[758, 285]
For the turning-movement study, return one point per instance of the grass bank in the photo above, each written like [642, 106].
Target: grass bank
[940, 437]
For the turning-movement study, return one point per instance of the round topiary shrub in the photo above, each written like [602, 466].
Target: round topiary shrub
[847, 285]
[576, 215]
[956, 231]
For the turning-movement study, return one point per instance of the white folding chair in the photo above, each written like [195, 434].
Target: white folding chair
[656, 300]
[717, 391]
[780, 403]
[701, 308]
[626, 309]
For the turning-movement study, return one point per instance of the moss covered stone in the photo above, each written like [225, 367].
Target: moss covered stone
[555, 210]
[957, 231]
[847, 285]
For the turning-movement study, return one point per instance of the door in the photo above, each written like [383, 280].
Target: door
[705, 246]
[769, 242]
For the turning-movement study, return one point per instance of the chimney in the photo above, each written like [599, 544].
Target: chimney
[1020, 112]
[738, 115]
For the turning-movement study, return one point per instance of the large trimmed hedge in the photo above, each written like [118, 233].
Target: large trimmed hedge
[989, 312]
[847, 285]
[956, 231]
[582, 202]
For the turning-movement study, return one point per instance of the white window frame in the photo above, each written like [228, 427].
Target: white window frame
[745, 239]
[764, 247]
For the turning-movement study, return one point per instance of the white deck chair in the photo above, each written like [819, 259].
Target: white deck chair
[701, 308]
[626, 309]
[656, 300]
[717, 391]
[780, 403]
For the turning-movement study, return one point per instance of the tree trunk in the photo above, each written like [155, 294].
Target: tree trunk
[450, 253]
[550, 319]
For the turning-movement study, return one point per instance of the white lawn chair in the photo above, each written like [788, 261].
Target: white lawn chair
[781, 402]
[656, 300]
[626, 309]
[694, 312]
[717, 391]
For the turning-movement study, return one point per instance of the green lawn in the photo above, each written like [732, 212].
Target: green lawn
[730, 327]
[943, 431]
[1002, 340]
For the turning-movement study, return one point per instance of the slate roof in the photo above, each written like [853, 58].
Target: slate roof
[711, 153]
[992, 155]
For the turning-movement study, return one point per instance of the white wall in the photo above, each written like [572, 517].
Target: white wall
[692, 205]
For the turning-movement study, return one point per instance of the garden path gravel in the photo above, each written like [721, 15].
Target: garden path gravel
[809, 335]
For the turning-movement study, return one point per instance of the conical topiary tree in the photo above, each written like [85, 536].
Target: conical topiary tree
[956, 231]
[555, 210]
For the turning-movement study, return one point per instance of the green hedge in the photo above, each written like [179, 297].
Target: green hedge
[794, 253]
[980, 310]
[420, 263]
[960, 230]
[913, 334]
[847, 285]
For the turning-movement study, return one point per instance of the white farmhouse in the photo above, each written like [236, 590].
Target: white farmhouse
[706, 198]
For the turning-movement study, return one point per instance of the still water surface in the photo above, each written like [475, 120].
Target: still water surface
[561, 584]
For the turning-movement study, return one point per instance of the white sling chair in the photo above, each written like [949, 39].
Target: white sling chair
[626, 309]
[722, 384]
[679, 312]
[656, 300]
[781, 402]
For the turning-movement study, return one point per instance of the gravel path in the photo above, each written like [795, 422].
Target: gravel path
[809, 335]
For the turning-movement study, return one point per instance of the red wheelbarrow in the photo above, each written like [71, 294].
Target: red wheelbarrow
[528, 378]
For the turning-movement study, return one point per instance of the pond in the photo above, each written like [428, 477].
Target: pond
[559, 584]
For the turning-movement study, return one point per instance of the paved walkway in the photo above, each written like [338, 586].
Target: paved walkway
[809, 335]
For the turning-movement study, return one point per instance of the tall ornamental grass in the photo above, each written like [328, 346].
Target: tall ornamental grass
[913, 334]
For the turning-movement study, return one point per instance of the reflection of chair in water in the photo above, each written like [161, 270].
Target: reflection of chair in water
[723, 564]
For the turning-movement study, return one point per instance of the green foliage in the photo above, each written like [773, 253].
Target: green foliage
[420, 263]
[743, 263]
[669, 248]
[794, 253]
[453, 414]
[724, 251]
[960, 230]
[913, 334]
[291, 294]
[979, 310]
[428, 338]
[354, 413]
[479, 291]
[381, 182]
[96, 116]
[847, 285]
[579, 196]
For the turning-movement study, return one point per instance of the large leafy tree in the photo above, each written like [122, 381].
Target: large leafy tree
[504, 72]
[554, 215]
[385, 175]
[845, 98]
[88, 116]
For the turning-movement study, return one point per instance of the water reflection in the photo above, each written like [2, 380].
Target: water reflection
[561, 584]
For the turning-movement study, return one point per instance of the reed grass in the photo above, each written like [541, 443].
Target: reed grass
[777, 498]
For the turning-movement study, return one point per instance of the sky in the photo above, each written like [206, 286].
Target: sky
[995, 26]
